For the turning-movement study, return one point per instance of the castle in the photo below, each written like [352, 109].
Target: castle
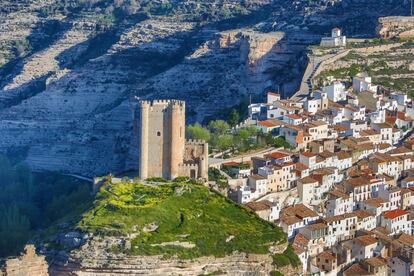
[163, 149]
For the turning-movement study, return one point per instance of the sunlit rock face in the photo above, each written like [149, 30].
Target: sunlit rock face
[67, 99]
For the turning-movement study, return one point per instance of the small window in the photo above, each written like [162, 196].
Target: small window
[158, 133]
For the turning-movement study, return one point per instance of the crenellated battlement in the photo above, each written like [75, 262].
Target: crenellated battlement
[195, 142]
[162, 105]
[189, 166]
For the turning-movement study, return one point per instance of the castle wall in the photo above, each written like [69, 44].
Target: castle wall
[196, 152]
[29, 264]
[162, 137]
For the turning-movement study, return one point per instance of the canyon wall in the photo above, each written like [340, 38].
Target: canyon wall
[396, 26]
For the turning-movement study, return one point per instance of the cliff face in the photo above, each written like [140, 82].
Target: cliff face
[396, 26]
[67, 81]
[95, 258]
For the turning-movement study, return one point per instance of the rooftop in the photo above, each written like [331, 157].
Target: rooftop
[365, 240]
[394, 213]
[376, 262]
[260, 205]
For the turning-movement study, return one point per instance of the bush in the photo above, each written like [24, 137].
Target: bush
[157, 179]
[280, 260]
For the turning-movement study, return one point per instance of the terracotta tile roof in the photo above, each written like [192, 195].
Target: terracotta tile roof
[308, 154]
[326, 154]
[376, 262]
[401, 150]
[340, 128]
[339, 217]
[408, 179]
[301, 166]
[383, 146]
[300, 211]
[298, 250]
[356, 269]
[369, 132]
[301, 240]
[376, 202]
[338, 194]
[277, 155]
[257, 177]
[406, 239]
[327, 255]
[308, 180]
[365, 240]
[290, 220]
[394, 213]
[343, 155]
[384, 125]
[363, 214]
[268, 123]
[260, 205]
[317, 226]
[358, 181]
[273, 93]
[294, 116]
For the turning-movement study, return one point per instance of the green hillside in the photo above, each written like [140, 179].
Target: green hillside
[187, 220]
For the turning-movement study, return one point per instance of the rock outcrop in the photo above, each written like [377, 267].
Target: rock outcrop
[396, 26]
[94, 258]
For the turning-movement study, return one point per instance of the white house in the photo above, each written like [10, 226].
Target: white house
[309, 190]
[396, 221]
[338, 203]
[362, 82]
[336, 92]
[336, 39]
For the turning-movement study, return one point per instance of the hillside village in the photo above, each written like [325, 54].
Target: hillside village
[344, 192]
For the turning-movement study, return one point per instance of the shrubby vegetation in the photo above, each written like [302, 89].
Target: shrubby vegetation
[288, 257]
[215, 175]
[30, 202]
[182, 212]
[221, 137]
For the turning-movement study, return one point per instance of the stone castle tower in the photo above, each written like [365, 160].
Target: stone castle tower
[164, 151]
[28, 264]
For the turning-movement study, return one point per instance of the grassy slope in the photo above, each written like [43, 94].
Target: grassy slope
[198, 216]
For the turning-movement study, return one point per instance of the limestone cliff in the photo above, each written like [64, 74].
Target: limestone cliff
[67, 77]
[396, 26]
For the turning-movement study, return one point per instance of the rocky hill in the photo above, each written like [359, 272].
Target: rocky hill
[174, 229]
[69, 69]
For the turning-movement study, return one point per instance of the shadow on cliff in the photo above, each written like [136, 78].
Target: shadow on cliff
[44, 34]
[158, 61]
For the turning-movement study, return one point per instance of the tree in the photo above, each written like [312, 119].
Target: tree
[218, 127]
[196, 131]
[225, 142]
[234, 117]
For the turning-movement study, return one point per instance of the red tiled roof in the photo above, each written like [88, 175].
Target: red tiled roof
[273, 93]
[308, 154]
[278, 155]
[293, 116]
[267, 124]
[394, 213]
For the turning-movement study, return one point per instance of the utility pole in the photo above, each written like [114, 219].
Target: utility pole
[412, 7]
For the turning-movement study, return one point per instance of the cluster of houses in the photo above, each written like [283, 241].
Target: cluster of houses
[345, 193]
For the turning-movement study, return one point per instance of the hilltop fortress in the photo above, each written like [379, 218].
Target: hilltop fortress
[163, 149]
